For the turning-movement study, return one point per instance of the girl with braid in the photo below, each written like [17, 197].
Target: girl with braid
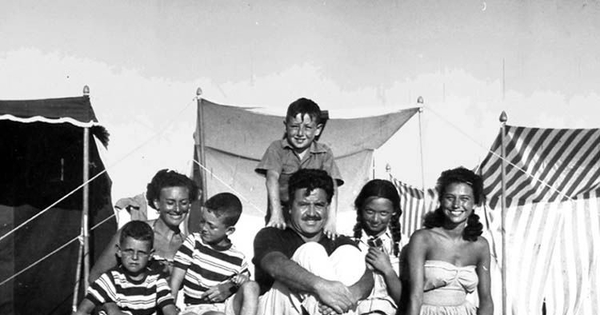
[449, 258]
[377, 231]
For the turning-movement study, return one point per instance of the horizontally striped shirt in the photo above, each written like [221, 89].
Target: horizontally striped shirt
[207, 266]
[139, 297]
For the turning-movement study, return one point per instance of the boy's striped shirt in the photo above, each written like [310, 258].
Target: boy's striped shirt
[207, 266]
[142, 297]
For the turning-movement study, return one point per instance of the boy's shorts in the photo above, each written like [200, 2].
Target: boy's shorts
[199, 309]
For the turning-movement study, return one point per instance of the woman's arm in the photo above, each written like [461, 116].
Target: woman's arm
[417, 250]
[486, 305]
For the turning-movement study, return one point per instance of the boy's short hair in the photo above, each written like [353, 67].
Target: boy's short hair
[138, 230]
[310, 179]
[225, 205]
[304, 106]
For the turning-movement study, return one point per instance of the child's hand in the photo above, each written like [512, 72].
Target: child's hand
[378, 260]
[218, 293]
[277, 221]
[239, 279]
[329, 229]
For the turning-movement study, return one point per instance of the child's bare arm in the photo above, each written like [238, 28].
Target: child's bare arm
[177, 276]
[330, 227]
[170, 309]
[276, 219]
[112, 309]
[85, 307]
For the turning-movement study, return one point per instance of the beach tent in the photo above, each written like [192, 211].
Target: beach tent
[41, 162]
[231, 140]
[551, 219]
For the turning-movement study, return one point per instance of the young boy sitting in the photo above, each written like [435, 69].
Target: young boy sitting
[299, 149]
[131, 287]
[210, 268]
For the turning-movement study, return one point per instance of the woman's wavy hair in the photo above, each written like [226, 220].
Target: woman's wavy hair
[436, 218]
[169, 178]
[382, 189]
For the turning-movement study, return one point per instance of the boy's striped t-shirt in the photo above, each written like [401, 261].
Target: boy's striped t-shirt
[207, 266]
[143, 297]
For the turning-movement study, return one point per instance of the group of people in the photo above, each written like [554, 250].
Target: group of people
[301, 264]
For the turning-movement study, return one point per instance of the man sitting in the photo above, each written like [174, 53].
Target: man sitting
[299, 269]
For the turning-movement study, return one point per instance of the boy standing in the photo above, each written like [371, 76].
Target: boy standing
[131, 287]
[299, 149]
[210, 268]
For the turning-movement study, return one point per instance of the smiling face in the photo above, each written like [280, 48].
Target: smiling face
[301, 131]
[458, 203]
[134, 255]
[212, 229]
[308, 214]
[173, 205]
[376, 215]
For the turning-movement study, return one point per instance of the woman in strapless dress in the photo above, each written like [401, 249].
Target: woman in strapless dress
[448, 258]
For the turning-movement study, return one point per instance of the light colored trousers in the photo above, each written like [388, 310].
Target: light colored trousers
[346, 264]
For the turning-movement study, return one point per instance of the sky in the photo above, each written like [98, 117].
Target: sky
[468, 59]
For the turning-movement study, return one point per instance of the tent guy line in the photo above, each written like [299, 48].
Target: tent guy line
[51, 206]
[228, 186]
[78, 237]
[561, 193]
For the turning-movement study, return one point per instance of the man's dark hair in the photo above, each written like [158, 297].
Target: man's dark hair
[310, 179]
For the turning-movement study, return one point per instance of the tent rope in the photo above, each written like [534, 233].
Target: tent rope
[50, 206]
[561, 193]
[78, 237]
[229, 186]
[106, 168]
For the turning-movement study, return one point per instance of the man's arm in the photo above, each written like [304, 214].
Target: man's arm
[363, 287]
[332, 293]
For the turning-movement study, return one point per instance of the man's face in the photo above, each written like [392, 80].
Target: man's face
[308, 214]
[301, 131]
[134, 255]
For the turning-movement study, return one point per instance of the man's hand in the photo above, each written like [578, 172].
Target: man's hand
[335, 295]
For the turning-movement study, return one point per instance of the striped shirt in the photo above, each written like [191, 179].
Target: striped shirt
[138, 297]
[207, 266]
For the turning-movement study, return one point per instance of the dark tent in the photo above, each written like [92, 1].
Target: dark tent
[41, 161]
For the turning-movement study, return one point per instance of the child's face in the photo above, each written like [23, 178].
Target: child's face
[376, 215]
[301, 131]
[134, 255]
[212, 229]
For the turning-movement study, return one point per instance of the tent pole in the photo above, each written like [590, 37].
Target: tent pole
[84, 236]
[86, 205]
[420, 103]
[201, 134]
[503, 119]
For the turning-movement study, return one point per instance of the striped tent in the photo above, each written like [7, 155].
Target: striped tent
[414, 206]
[552, 218]
[552, 223]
